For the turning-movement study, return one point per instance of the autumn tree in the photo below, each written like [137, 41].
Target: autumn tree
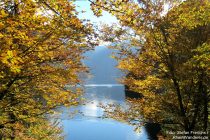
[41, 45]
[165, 53]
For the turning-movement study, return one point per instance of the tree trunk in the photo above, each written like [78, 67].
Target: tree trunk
[205, 123]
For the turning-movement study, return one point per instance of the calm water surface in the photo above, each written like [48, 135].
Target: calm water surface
[102, 87]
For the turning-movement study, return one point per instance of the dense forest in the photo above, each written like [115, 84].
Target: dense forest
[163, 49]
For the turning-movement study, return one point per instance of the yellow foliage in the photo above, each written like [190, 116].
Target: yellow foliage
[165, 55]
[41, 47]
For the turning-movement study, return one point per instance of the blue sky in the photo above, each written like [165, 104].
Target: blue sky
[84, 5]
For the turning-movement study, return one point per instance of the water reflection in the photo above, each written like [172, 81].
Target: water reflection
[95, 129]
[91, 109]
[101, 88]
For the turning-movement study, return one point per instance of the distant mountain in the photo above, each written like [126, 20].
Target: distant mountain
[102, 66]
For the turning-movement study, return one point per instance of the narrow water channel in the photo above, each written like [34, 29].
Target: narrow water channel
[102, 87]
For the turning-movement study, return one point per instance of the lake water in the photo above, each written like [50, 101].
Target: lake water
[102, 87]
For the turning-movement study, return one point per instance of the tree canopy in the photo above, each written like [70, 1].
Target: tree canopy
[42, 43]
[164, 51]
